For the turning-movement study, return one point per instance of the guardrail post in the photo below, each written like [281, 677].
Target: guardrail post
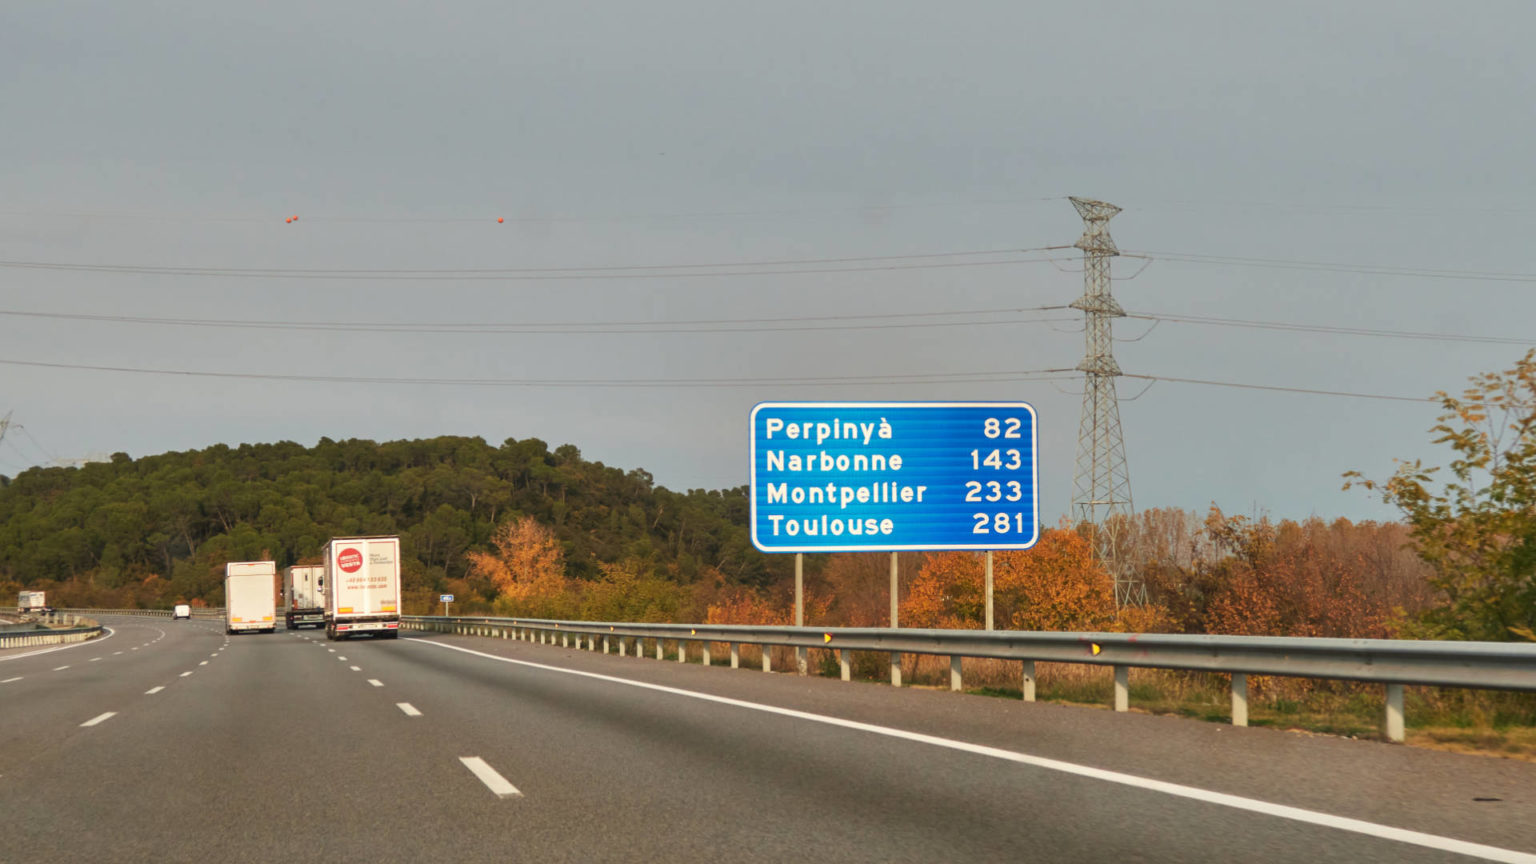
[605, 644]
[1395, 713]
[735, 656]
[623, 647]
[706, 660]
[767, 652]
[895, 662]
[659, 652]
[1122, 688]
[954, 672]
[682, 651]
[1239, 699]
[1029, 681]
[802, 661]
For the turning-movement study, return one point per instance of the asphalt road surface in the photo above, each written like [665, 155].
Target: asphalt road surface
[168, 741]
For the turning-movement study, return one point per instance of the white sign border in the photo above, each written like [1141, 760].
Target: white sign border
[1034, 444]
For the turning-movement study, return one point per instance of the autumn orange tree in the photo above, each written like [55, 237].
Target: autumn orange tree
[1475, 524]
[1054, 586]
[528, 570]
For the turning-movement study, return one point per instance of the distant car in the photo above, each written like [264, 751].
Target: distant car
[182, 610]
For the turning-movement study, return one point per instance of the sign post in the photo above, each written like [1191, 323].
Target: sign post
[445, 599]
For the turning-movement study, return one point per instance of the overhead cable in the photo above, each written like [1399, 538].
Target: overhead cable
[1339, 267]
[717, 325]
[809, 381]
[1320, 328]
[1420, 399]
[779, 267]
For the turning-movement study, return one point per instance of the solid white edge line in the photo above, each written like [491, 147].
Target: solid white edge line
[98, 718]
[1223, 799]
[489, 776]
[375, 682]
[408, 709]
[153, 690]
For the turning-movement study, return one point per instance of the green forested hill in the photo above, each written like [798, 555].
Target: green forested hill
[158, 530]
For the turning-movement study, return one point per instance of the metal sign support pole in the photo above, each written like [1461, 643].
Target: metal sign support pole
[895, 598]
[802, 654]
[989, 589]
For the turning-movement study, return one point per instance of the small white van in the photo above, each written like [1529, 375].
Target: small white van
[182, 610]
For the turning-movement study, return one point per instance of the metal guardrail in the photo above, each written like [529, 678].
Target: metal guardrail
[50, 637]
[197, 612]
[1395, 663]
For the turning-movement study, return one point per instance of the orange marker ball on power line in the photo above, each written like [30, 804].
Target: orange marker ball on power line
[499, 220]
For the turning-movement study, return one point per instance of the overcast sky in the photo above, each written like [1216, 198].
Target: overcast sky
[1390, 138]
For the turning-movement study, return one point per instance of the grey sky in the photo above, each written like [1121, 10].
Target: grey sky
[182, 134]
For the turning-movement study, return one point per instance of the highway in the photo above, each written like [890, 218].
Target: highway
[168, 741]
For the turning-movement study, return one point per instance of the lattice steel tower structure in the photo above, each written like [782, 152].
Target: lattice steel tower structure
[1101, 481]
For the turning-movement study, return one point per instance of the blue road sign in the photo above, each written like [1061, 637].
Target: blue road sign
[852, 476]
[445, 598]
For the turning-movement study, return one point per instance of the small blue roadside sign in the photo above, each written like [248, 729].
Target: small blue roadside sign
[872, 476]
[445, 598]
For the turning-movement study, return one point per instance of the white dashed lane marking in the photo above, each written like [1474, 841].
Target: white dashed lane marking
[98, 718]
[356, 669]
[408, 708]
[185, 674]
[152, 691]
[204, 663]
[9, 680]
[94, 659]
[492, 780]
[375, 682]
[61, 668]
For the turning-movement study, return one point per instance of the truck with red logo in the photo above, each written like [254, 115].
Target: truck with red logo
[362, 594]
[250, 594]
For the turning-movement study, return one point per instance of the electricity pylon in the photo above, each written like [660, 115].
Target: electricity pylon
[1102, 482]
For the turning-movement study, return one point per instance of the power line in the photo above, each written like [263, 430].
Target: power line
[35, 443]
[717, 325]
[537, 220]
[780, 267]
[810, 381]
[1306, 390]
[1340, 267]
[1319, 328]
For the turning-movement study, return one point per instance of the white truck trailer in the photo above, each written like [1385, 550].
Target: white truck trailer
[250, 593]
[32, 602]
[362, 595]
[304, 596]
